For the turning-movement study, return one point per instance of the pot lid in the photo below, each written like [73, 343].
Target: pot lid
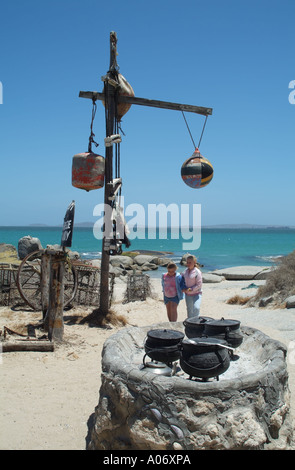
[165, 334]
[197, 320]
[159, 368]
[223, 322]
[156, 365]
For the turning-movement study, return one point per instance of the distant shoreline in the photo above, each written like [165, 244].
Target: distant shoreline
[207, 227]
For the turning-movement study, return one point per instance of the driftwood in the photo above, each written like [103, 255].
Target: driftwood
[25, 345]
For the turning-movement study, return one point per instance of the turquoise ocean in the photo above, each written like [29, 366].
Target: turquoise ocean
[219, 248]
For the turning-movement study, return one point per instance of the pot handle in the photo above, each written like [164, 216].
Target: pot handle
[212, 344]
[209, 368]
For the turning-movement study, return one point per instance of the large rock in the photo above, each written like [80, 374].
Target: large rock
[70, 253]
[209, 278]
[142, 259]
[121, 261]
[27, 245]
[241, 273]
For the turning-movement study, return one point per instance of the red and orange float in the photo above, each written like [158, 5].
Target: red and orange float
[88, 171]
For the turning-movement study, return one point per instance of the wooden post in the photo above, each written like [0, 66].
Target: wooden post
[110, 105]
[44, 283]
[53, 322]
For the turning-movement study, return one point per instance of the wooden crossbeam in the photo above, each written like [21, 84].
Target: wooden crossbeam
[95, 95]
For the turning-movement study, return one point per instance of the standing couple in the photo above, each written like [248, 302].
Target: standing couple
[175, 285]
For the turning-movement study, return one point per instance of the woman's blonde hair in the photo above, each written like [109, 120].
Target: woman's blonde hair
[193, 258]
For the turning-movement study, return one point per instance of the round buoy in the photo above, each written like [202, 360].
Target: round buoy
[197, 171]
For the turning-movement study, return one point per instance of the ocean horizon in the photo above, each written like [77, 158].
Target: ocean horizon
[220, 247]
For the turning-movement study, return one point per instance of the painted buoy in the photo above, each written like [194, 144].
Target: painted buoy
[88, 171]
[197, 171]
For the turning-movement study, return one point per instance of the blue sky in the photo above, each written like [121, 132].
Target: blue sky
[235, 56]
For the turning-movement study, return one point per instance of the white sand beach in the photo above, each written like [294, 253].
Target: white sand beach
[47, 398]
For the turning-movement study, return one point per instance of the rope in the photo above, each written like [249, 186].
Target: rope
[191, 133]
[91, 140]
[188, 129]
[203, 131]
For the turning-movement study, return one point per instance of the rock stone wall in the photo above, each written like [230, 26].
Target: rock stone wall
[138, 409]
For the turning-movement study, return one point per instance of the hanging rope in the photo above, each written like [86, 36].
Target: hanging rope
[91, 140]
[188, 129]
[203, 131]
[191, 133]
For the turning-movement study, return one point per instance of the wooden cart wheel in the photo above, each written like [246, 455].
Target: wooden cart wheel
[29, 281]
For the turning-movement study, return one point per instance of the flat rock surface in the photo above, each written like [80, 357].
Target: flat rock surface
[241, 272]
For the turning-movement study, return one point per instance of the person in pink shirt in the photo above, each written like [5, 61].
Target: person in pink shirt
[172, 290]
[193, 291]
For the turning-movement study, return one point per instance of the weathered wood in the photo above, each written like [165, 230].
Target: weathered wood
[54, 322]
[44, 281]
[110, 104]
[152, 103]
[42, 346]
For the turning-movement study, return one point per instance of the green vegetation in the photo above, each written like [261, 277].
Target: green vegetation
[280, 282]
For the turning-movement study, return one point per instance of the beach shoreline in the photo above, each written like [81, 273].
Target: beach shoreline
[48, 398]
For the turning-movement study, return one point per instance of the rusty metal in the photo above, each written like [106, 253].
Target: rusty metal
[29, 280]
[88, 171]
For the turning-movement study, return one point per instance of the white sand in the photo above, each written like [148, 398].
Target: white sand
[47, 398]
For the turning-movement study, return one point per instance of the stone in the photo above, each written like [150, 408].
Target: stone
[142, 259]
[212, 278]
[265, 301]
[70, 253]
[263, 275]
[290, 302]
[240, 273]
[148, 267]
[162, 261]
[117, 271]
[27, 245]
[121, 261]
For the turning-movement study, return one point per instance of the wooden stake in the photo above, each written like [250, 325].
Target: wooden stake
[44, 283]
[110, 123]
[53, 322]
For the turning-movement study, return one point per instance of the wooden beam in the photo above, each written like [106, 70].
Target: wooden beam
[26, 345]
[95, 95]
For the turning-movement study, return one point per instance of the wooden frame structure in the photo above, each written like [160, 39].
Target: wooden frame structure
[111, 101]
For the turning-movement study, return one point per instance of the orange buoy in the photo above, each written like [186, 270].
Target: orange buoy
[88, 170]
[197, 171]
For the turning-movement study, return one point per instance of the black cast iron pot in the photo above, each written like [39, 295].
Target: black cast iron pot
[204, 357]
[194, 326]
[163, 345]
[228, 330]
